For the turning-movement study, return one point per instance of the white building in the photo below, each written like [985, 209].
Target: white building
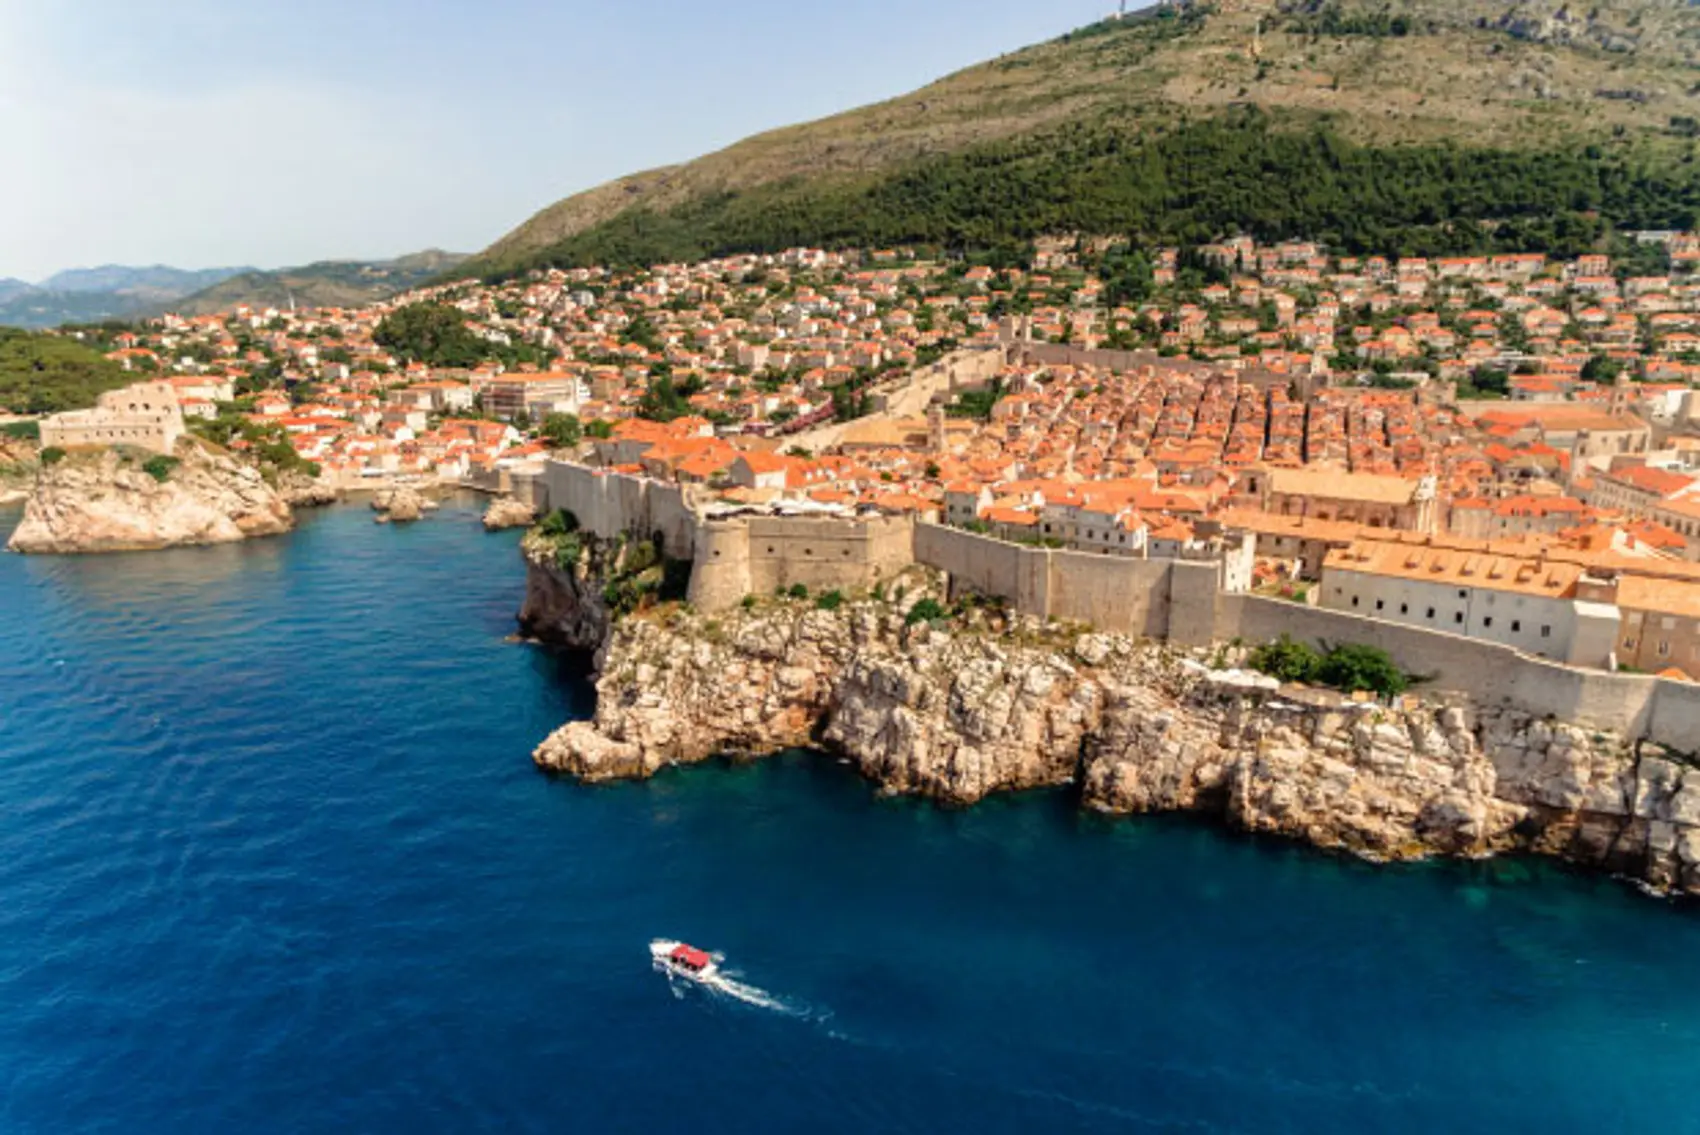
[1476, 591]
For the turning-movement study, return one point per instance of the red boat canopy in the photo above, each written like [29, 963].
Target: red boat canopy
[690, 956]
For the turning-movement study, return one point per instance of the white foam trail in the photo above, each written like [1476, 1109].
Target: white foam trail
[719, 982]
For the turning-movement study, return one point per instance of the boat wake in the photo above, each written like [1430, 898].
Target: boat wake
[720, 982]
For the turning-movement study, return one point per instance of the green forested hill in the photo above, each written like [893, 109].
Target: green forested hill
[1376, 123]
[43, 373]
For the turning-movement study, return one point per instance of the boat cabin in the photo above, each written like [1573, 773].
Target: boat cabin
[687, 957]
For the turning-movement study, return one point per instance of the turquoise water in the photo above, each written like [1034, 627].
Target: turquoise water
[274, 858]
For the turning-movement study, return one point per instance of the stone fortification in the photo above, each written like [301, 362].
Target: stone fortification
[736, 555]
[614, 504]
[1184, 602]
[756, 555]
[145, 416]
[106, 501]
[1160, 599]
[991, 706]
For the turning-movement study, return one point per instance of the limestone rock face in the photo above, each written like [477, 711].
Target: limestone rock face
[958, 714]
[400, 505]
[105, 501]
[302, 491]
[563, 603]
[506, 512]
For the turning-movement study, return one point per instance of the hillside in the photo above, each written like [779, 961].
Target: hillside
[1575, 113]
[43, 373]
[334, 283]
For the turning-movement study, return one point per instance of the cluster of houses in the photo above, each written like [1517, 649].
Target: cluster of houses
[1500, 446]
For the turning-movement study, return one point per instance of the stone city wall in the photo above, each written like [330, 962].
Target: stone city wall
[1174, 600]
[1161, 599]
[612, 504]
[757, 555]
[1488, 673]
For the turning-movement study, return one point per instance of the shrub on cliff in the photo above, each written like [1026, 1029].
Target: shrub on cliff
[52, 455]
[831, 601]
[1354, 667]
[1286, 660]
[927, 610]
[159, 467]
[557, 523]
[1350, 667]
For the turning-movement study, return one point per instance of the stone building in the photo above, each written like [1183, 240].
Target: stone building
[1546, 607]
[146, 415]
[1370, 499]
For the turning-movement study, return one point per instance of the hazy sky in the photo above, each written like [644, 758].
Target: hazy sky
[200, 133]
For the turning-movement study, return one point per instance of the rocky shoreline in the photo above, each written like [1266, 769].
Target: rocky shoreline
[958, 710]
[112, 500]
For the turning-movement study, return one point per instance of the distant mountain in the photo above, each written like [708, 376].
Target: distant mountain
[116, 292]
[332, 283]
[92, 295]
[36, 308]
[168, 283]
[1374, 124]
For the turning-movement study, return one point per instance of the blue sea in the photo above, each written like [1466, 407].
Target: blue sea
[273, 858]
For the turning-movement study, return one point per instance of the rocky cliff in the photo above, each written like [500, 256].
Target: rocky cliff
[115, 500]
[564, 604]
[961, 709]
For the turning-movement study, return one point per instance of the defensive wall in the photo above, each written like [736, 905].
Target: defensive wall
[756, 555]
[145, 415]
[1131, 362]
[612, 504]
[1488, 673]
[1171, 600]
[1180, 601]
[969, 367]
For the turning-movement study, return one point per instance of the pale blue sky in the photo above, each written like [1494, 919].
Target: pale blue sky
[201, 133]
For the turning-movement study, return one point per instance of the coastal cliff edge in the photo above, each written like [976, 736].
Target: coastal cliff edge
[956, 710]
[116, 500]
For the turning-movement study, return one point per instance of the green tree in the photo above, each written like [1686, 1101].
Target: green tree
[43, 373]
[1353, 667]
[1602, 369]
[925, 610]
[1286, 660]
[563, 431]
[431, 333]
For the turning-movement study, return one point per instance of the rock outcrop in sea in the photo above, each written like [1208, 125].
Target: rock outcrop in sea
[506, 512]
[989, 703]
[114, 500]
[400, 505]
[303, 491]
